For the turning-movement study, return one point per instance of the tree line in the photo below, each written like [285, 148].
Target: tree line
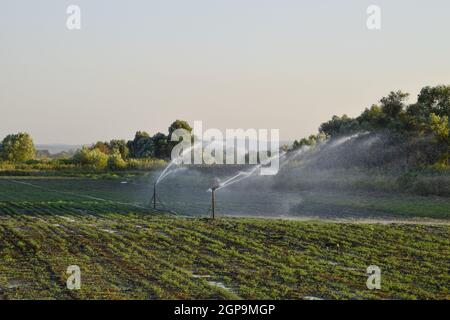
[428, 117]
[115, 154]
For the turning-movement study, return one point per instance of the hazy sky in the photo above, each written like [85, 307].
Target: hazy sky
[139, 65]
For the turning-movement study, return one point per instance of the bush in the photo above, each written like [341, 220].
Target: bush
[116, 162]
[144, 164]
[432, 185]
[91, 158]
[17, 148]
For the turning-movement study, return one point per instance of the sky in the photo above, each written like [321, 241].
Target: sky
[274, 64]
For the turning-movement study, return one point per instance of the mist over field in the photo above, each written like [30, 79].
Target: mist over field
[350, 176]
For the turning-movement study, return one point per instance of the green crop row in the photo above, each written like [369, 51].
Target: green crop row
[131, 253]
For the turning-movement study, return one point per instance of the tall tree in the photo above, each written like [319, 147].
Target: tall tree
[372, 118]
[161, 145]
[94, 158]
[431, 100]
[120, 146]
[142, 146]
[339, 125]
[178, 124]
[18, 148]
[394, 103]
[101, 146]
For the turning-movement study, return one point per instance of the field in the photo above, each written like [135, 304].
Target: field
[126, 251]
[187, 195]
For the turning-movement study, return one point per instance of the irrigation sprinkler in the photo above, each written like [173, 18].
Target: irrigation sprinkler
[153, 199]
[214, 187]
[154, 195]
[213, 204]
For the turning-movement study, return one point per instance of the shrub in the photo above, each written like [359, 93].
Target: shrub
[92, 158]
[17, 148]
[116, 162]
[144, 164]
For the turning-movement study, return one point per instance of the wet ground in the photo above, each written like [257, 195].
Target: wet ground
[187, 193]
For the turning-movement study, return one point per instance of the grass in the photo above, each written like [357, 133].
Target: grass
[66, 167]
[138, 190]
[129, 252]
[377, 205]
[63, 188]
[425, 182]
[150, 256]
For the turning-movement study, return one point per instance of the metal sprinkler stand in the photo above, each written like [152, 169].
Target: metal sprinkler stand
[215, 186]
[153, 199]
[154, 195]
[213, 203]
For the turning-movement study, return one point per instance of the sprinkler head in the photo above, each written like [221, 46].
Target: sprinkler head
[215, 185]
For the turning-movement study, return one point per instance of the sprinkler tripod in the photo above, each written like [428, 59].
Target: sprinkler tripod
[213, 204]
[154, 195]
[154, 198]
[215, 186]
[162, 207]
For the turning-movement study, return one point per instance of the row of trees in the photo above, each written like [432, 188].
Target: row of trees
[429, 116]
[115, 154]
[394, 114]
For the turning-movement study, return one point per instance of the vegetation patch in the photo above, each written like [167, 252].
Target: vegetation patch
[149, 256]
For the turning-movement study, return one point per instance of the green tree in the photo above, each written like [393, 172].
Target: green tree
[439, 126]
[115, 161]
[393, 104]
[92, 158]
[18, 148]
[372, 118]
[434, 100]
[161, 145]
[310, 141]
[102, 146]
[339, 126]
[430, 100]
[120, 146]
[141, 146]
[178, 124]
